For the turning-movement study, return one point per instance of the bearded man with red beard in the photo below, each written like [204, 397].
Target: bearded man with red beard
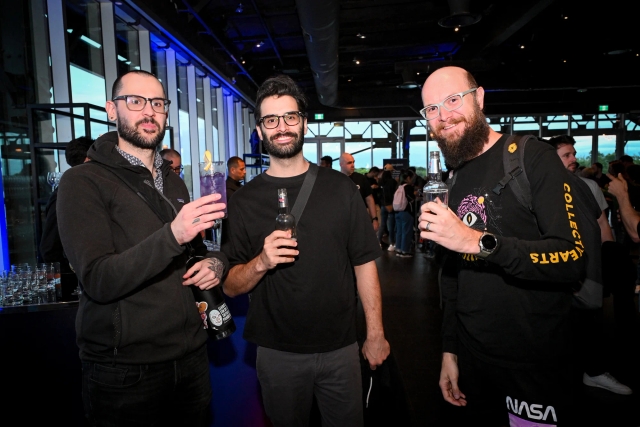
[508, 275]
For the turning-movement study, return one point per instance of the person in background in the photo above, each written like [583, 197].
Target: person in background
[600, 177]
[372, 176]
[505, 310]
[326, 162]
[128, 229]
[588, 324]
[347, 167]
[405, 219]
[388, 187]
[236, 175]
[174, 158]
[50, 245]
[303, 305]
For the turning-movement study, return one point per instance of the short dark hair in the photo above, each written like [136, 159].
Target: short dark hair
[374, 169]
[626, 158]
[233, 162]
[76, 151]
[280, 85]
[559, 141]
[599, 165]
[327, 159]
[117, 85]
[166, 151]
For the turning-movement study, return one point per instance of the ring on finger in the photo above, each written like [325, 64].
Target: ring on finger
[427, 226]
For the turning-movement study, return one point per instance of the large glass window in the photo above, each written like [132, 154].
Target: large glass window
[606, 150]
[183, 117]
[214, 123]
[127, 46]
[384, 139]
[202, 145]
[86, 64]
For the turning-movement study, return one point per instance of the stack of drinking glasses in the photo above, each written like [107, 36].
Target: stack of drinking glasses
[26, 285]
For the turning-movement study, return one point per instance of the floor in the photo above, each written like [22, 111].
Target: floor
[412, 318]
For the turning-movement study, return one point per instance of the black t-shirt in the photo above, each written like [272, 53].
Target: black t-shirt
[362, 182]
[307, 306]
[512, 308]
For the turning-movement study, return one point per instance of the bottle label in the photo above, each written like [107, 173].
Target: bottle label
[217, 316]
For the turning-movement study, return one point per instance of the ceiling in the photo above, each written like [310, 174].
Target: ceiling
[355, 58]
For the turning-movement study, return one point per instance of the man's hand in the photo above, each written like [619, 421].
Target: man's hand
[279, 248]
[439, 224]
[449, 380]
[376, 225]
[618, 186]
[195, 217]
[375, 351]
[205, 274]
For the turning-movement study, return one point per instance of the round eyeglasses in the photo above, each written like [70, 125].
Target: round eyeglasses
[272, 121]
[178, 169]
[450, 103]
[137, 103]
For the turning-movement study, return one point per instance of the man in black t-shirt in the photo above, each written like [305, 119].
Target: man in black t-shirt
[302, 314]
[347, 167]
[506, 282]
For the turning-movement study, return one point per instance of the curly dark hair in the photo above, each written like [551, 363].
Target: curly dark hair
[280, 85]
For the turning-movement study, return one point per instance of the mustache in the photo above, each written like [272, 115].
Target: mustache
[278, 135]
[148, 120]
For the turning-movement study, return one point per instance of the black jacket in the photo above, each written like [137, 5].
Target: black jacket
[134, 308]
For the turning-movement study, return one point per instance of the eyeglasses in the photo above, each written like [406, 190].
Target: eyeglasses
[450, 103]
[178, 169]
[137, 103]
[272, 121]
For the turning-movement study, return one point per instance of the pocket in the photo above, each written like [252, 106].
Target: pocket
[115, 376]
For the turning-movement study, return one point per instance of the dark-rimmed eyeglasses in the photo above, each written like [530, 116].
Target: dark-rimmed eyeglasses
[272, 121]
[137, 103]
[450, 103]
[178, 169]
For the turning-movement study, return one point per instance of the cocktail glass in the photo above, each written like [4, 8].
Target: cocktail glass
[213, 179]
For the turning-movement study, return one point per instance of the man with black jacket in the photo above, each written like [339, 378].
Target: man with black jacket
[507, 289]
[128, 228]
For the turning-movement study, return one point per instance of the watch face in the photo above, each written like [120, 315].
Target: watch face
[489, 242]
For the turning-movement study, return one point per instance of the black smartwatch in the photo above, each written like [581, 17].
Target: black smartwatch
[375, 218]
[488, 243]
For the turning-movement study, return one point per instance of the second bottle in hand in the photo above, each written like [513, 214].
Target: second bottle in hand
[285, 221]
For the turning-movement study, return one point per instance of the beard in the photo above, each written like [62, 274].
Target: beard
[459, 150]
[284, 151]
[135, 138]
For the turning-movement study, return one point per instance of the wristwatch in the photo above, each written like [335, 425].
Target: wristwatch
[488, 243]
[375, 218]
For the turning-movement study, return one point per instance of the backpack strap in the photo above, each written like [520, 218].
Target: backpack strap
[513, 161]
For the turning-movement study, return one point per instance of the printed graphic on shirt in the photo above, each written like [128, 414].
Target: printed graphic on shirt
[523, 414]
[480, 211]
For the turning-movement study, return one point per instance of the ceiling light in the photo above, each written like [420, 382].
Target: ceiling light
[260, 44]
[90, 42]
[564, 60]
[417, 73]
[521, 46]
[582, 90]
[356, 61]
[361, 36]
[566, 17]
[408, 85]
[244, 62]
[240, 8]
[456, 29]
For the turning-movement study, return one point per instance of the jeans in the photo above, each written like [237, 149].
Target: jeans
[404, 232]
[174, 393]
[290, 380]
[387, 223]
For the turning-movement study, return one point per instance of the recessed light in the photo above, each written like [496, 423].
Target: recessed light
[456, 29]
[361, 36]
[521, 46]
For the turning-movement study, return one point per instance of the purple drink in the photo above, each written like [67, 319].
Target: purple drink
[214, 180]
